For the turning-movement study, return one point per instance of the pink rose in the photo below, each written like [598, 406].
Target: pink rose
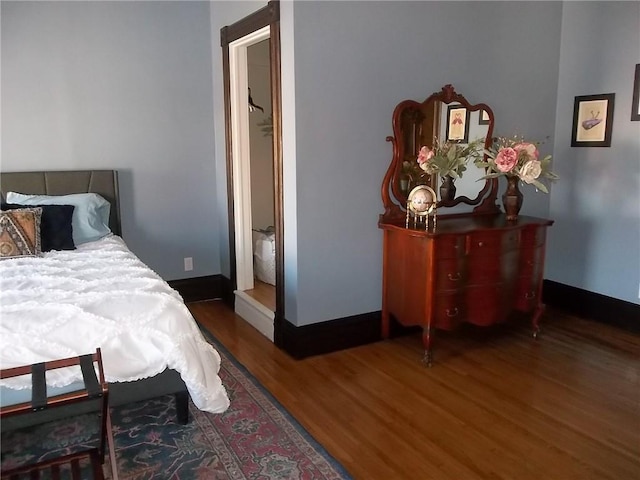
[506, 159]
[425, 155]
[529, 149]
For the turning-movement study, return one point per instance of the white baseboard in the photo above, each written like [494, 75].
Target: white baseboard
[256, 314]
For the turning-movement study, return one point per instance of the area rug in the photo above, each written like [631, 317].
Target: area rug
[254, 439]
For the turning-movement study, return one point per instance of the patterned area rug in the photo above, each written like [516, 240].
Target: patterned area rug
[254, 439]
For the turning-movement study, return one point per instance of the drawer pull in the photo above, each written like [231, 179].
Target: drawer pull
[452, 312]
[480, 244]
[454, 277]
[530, 295]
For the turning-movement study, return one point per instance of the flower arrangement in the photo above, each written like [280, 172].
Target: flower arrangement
[516, 157]
[412, 173]
[445, 159]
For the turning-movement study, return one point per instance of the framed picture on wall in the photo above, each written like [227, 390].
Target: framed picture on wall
[635, 103]
[483, 118]
[457, 124]
[592, 120]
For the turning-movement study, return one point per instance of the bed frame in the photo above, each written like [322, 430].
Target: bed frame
[104, 183]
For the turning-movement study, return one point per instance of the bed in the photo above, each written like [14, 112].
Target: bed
[68, 302]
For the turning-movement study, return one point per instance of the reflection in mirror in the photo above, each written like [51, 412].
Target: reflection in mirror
[443, 116]
[419, 127]
[468, 184]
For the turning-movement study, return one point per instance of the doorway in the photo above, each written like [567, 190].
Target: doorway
[251, 62]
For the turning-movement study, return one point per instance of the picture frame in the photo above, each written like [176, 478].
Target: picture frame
[592, 120]
[457, 124]
[483, 117]
[635, 102]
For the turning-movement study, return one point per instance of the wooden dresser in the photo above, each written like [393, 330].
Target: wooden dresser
[473, 268]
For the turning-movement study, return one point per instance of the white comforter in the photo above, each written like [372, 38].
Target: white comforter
[67, 303]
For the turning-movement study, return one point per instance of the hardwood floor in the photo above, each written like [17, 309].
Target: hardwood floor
[497, 404]
[263, 293]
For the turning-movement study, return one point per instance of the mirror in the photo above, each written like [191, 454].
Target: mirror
[443, 116]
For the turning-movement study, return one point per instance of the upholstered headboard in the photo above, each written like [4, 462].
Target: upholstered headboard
[102, 182]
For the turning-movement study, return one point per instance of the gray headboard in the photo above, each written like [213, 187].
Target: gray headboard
[102, 182]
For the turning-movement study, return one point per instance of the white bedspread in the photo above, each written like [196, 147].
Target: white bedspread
[67, 303]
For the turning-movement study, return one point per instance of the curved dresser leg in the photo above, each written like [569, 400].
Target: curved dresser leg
[535, 321]
[427, 338]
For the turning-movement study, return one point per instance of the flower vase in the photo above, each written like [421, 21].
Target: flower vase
[512, 199]
[404, 185]
[447, 188]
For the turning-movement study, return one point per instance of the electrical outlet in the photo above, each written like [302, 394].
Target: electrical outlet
[188, 264]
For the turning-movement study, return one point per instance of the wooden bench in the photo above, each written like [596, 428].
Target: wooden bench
[95, 388]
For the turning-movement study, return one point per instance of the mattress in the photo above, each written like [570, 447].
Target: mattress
[67, 303]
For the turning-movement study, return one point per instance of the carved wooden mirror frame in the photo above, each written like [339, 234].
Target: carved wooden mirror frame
[411, 122]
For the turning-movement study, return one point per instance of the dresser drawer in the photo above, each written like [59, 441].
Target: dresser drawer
[484, 270]
[488, 304]
[484, 243]
[533, 237]
[527, 298]
[450, 246]
[530, 264]
[449, 310]
[450, 274]
[526, 293]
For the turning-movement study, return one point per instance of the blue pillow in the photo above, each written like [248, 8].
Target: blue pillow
[90, 219]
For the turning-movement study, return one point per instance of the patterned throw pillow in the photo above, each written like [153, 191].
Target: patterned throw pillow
[20, 233]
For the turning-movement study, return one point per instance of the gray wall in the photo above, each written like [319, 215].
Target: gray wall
[123, 85]
[595, 242]
[354, 61]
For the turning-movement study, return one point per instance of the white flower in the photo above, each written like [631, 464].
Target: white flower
[530, 171]
[429, 167]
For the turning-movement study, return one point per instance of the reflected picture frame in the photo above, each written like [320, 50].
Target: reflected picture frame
[635, 102]
[483, 117]
[593, 120]
[457, 124]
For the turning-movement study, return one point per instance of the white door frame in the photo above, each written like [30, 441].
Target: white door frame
[241, 154]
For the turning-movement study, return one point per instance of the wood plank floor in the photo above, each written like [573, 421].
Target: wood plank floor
[263, 293]
[497, 404]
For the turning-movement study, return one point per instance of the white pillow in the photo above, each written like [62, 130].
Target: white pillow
[90, 219]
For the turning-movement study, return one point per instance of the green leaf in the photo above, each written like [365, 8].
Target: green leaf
[540, 186]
